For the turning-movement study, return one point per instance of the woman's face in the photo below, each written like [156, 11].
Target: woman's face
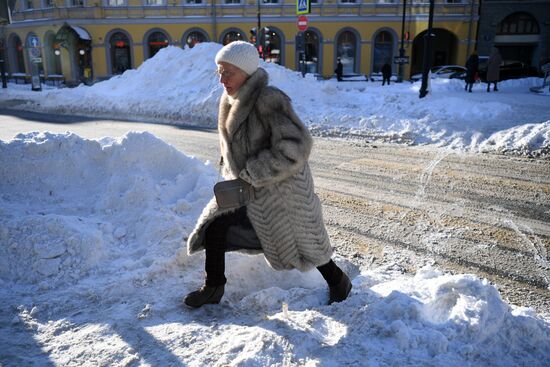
[231, 77]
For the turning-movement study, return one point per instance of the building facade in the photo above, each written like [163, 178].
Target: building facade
[96, 39]
[519, 29]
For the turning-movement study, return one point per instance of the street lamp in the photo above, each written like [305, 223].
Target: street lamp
[402, 49]
[258, 30]
[427, 57]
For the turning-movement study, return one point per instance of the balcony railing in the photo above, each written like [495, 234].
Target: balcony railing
[238, 10]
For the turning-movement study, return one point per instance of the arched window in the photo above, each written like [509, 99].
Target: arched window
[120, 53]
[272, 46]
[518, 23]
[311, 44]
[232, 36]
[195, 37]
[155, 42]
[17, 60]
[383, 51]
[52, 53]
[346, 50]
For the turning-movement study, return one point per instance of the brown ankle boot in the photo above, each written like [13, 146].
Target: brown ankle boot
[205, 295]
[340, 291]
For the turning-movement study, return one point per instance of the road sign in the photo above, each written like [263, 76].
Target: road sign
[401, 60]
[303, 7]
[35, 52]
[34, 41]
[302, 23]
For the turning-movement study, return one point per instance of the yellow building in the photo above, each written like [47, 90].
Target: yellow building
[85, 40]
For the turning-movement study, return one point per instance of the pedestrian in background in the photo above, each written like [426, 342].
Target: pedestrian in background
[386, 73]
[472, 66]
[493, 69]
[339, 70]
[264, 143]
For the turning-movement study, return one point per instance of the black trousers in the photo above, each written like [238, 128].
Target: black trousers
[216, 246]
[384, 80]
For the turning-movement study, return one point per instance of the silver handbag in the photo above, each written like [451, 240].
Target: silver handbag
[233, 193]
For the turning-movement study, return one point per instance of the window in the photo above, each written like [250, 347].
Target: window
[270, 46]
[383, 54]
[232, 36]
[29, 4]
[17, 60]
[348, 1]
[154, 2]
[156, 41]
[193, 2]
[453, 1]
[116, 3]
[193, 38]
[311, 52]
[232, 1]
[270, 1]
[77, 3]
[49, 3]
[518, 23]
[346, 50]
[121, 58]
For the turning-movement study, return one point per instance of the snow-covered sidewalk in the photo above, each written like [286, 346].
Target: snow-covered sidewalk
[93, 268]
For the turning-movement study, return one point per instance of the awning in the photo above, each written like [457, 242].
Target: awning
[67, 30]
[82, 33]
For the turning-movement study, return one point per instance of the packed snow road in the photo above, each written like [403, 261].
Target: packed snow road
[394, 204]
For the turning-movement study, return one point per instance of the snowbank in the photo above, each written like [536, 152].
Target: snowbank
[67, 200]
[180, 87]
[93, 267]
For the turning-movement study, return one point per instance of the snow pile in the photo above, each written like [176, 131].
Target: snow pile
[93, 268]
[180, 87]
[176, 85]
[66, 201]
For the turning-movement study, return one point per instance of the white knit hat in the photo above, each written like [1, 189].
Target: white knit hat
[241, 54]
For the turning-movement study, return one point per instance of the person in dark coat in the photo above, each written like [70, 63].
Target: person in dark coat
[493, 69]
[339, 70]
[472, 66]
[386, 73]
[265, 144]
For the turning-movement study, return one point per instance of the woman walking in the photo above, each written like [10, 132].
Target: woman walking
[264, 143]
[493, 69]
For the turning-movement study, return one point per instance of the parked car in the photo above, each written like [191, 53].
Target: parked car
[444, 72]
[510, 70]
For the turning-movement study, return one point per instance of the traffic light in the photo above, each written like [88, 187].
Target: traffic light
[253, 35]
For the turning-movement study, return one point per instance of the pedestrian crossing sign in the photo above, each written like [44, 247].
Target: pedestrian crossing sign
[303, 7]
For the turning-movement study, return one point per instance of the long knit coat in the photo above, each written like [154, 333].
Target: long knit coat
[263, 141]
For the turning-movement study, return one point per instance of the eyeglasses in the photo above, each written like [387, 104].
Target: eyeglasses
[225, 74]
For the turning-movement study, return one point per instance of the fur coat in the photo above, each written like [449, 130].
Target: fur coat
[263, 142]
[493, 66]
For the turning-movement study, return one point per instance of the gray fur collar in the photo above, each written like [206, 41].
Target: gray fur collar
[232, 115]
